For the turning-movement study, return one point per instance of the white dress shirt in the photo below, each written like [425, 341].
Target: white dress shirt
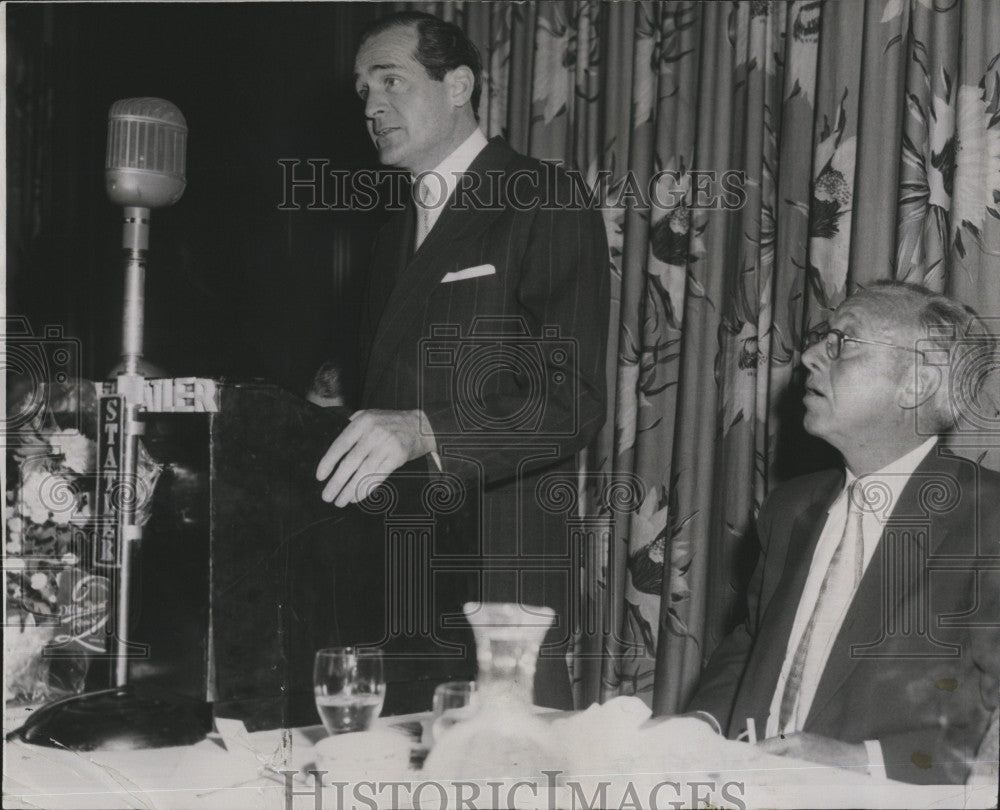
[433, 190]
[888, 483]
[435, 187]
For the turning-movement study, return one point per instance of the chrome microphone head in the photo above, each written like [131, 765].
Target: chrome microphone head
[147, 146]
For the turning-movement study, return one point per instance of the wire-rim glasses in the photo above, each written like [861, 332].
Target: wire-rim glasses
[834, 340]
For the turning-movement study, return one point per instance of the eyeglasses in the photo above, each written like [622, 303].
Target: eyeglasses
[834, 341]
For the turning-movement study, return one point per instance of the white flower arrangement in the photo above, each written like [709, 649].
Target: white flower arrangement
[52, 597]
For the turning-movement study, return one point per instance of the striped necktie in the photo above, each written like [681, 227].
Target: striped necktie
[423, 214]
[845, 570]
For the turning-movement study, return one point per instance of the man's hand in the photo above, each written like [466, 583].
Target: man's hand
[816, 748]
[369, 450]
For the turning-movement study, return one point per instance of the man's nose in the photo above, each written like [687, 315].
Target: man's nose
[813, 357]
[374, 105]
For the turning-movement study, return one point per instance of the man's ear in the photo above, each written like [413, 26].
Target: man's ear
[920, 385]
[460, 83]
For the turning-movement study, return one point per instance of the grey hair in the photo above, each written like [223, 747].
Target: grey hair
[947, 328]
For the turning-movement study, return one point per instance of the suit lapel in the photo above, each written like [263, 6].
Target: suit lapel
[874, 597]
[408, 235]
[422, 271]
[393, 253]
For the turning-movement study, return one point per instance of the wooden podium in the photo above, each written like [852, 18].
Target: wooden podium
[243, 572]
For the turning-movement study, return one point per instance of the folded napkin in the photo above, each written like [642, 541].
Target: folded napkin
[621, 756]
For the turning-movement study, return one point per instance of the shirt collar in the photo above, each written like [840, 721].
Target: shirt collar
[894, 475]
[442, 179]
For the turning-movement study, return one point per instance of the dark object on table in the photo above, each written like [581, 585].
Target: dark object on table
[119, 719]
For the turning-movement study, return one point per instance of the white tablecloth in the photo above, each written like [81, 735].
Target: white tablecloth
[241, 773]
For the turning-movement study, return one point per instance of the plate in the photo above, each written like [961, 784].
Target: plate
[364, 754]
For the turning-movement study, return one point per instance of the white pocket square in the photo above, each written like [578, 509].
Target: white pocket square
[470, 272]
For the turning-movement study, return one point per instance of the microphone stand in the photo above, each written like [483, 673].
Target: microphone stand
[130, 385]
[123, 717]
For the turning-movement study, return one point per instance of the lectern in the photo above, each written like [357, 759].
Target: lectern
[243, 571]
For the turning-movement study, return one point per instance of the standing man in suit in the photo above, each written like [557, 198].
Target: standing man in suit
[485, 326]
[873, 633]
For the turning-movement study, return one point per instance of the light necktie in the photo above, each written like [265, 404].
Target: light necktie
[423, 214]
[845, 570]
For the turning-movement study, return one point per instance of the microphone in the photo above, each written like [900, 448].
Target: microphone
[143, 169]
[147, 142]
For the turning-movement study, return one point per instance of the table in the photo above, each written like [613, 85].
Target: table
[239, 770]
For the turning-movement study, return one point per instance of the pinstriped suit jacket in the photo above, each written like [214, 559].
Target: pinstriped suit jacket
[508, 365]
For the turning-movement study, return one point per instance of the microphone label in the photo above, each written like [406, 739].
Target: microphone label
[110, 481]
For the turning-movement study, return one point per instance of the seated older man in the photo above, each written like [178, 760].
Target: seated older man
[872, 638]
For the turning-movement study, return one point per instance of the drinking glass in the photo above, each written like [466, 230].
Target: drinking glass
[349, 684]
[454, 701]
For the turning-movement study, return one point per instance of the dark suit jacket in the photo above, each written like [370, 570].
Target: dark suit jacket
[917, 661]
[509, 368]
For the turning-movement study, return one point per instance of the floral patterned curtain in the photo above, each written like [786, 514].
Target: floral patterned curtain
[765, 158]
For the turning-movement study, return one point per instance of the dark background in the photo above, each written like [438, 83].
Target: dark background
[235, 287]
